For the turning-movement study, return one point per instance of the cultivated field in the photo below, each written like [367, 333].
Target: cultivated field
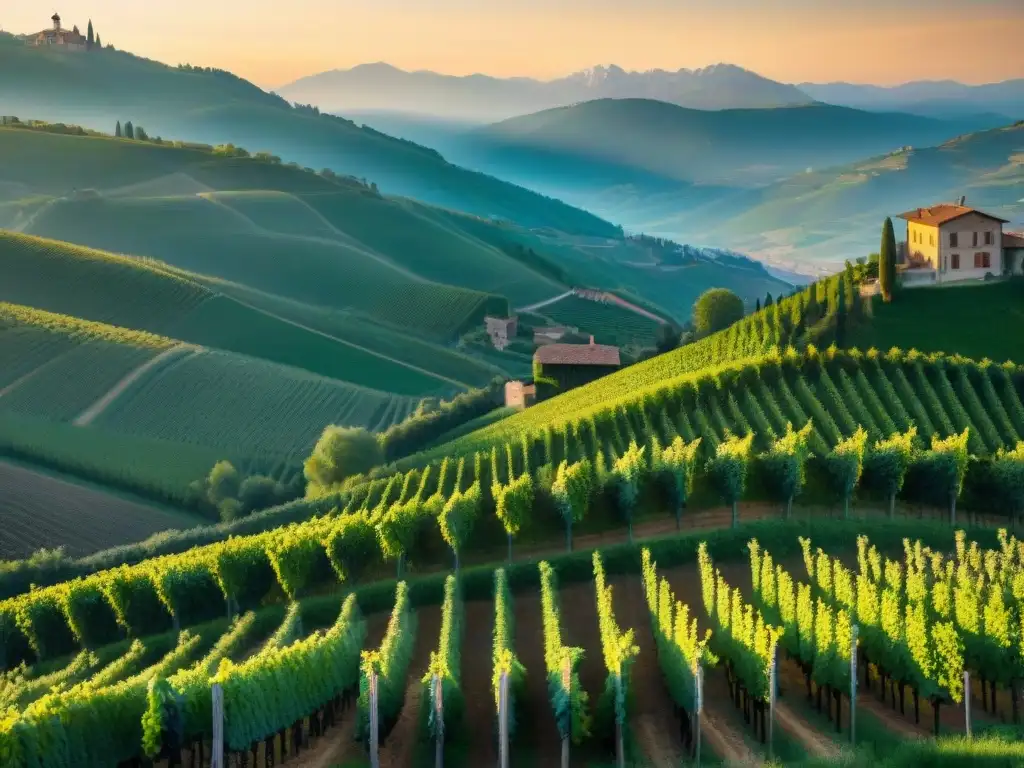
[568, 632]
[43, 511]
[608, 323]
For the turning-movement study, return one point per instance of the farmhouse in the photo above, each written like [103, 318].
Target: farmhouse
[1013, 253]
[519, 394]
[501, 330]
[71, 40]
[566, 366]
[951, 242]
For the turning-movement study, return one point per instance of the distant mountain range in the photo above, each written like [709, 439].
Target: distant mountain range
[381, 87]
[642, 142]
[945, 98]
[481, 98]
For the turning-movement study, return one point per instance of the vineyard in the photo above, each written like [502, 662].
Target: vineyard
[740, 662]
[608, 323]
[162, 426]
[271, 409]
[193, 234]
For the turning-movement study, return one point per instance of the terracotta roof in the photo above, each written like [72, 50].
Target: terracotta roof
[1013, 239]
[577, 354]
[938, 215]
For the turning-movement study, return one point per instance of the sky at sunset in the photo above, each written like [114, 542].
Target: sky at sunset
[273, 42]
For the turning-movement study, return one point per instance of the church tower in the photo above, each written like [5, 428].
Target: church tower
[56, 22]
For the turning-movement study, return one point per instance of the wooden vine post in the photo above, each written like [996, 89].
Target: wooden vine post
[374, 725]
[503, 720]
[697, 707]
[620, 748]
[967, 702]
[567, 685]
[217, 745]
[853, 685]
[771, 705]
[438, 722]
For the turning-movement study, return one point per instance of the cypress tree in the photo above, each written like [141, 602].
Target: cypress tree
[129, 131]
[840, 312]
[89, 38]
[887, 261]
[117, 130]
[768, 300]
[99, 43]
[757, 305]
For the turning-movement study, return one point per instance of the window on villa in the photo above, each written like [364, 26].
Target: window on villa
[988, 238]
[982, 261]
[931, 239]
[953, 240]
[975, 243]
[954, 260]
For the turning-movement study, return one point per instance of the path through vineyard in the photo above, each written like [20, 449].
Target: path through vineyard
[581, 629]
[477, 671]
[656, 728]
[399, 749]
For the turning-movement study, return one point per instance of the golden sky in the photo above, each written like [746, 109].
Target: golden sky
[273, 42]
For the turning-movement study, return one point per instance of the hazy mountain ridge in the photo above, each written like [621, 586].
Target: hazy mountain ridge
[927, 97]
[382, 87]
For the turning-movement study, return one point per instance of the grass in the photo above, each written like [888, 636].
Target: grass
[971, 319]
[609, 323]
[238, 405]
[93, 285]
[194, 234]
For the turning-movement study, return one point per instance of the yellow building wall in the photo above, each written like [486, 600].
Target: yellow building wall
[923, 243]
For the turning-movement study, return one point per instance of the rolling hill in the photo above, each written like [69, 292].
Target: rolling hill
[217, 107]
[825, 216]
[383, 88]
[228, 218]
[154, 395]
[656, 140]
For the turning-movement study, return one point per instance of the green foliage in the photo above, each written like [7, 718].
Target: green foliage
[457, 517]
[389, 665]
[278, 686]
[681, 649]
[846, 463]
[887, 260]
[572, 490]
[503, 656]
[445, 664]
[613, 706]
[513, 502]
[886, 464]
[340, 453]
[715, 310]
[627, 473]
[566, 694]
[727, 469]
[741, 636]
[676, 467]
[784, 465]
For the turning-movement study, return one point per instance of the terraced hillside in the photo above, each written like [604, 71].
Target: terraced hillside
[319, 213]
[152, 414]
[132, 293]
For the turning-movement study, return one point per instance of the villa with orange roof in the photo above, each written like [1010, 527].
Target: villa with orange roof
[952, 242]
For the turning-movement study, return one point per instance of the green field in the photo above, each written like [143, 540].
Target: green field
[236, 405]
[197, 235]
[156, 428]
[973, 320]
[132, 293]
[608, 323]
